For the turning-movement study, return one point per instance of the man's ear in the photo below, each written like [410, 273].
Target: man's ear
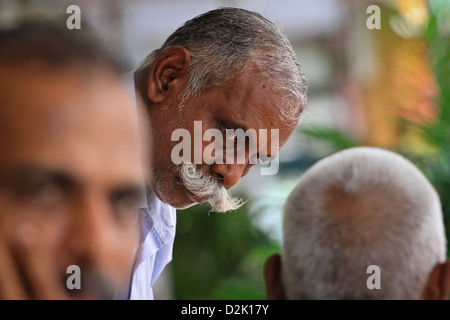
[438, 286]
[169, 73]
[272, 278]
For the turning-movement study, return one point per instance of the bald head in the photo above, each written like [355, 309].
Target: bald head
[357, 208]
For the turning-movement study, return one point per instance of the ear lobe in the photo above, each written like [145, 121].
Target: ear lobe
[272, 278]
[168, 74]
[438, 286]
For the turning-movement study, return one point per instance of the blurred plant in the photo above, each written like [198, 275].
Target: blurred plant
[434, 160]
[336, 139]
[436, 165]
[219, 256]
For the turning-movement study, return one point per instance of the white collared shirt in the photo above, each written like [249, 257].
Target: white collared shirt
[157, 237]
[158, 222]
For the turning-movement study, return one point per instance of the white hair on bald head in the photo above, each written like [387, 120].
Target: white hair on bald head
[360, 207]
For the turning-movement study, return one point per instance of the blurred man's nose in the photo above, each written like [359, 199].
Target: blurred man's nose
[229, 173]
[91, 230]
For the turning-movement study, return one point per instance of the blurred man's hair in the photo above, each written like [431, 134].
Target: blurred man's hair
[360, 207]
[55, 45]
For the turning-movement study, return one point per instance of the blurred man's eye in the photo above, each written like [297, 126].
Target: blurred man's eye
[41, 188]
[125, 204]
[43, 191]
[46, 190]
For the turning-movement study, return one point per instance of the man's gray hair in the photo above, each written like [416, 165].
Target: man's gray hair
[221, 42]
[360, 207]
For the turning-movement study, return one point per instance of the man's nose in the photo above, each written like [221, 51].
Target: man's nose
[229, 173]
[91, 230]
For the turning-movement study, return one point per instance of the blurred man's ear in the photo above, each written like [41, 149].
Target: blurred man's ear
[272, 278]
[438, 286]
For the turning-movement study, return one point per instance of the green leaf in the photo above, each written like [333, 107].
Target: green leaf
[337, 139]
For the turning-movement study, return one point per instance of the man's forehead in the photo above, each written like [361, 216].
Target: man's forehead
[57, 116]
[87, 166]
[251, 101]
[34, 92]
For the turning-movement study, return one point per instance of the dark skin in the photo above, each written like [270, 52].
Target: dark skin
[70, 179]
[246, 102]
[437, 287]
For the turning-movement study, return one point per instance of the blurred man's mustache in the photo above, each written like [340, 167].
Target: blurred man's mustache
[209, 188]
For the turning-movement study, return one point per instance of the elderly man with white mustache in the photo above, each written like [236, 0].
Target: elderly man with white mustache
[230, 69]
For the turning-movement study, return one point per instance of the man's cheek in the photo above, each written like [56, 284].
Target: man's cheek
[23, 228]
[123, 259]
[126, 245]
[15, 219]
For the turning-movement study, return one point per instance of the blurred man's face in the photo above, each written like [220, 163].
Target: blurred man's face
[69, 177]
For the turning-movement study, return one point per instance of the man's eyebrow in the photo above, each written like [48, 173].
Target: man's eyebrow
[128, 190]
[27, 173]
[33, 171]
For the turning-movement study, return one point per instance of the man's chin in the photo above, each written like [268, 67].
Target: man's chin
[182, 207]
[177, 199]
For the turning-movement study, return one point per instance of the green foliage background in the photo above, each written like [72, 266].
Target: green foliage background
[219, 256]
[437, 133]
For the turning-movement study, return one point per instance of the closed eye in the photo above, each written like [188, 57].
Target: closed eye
[264, 159]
